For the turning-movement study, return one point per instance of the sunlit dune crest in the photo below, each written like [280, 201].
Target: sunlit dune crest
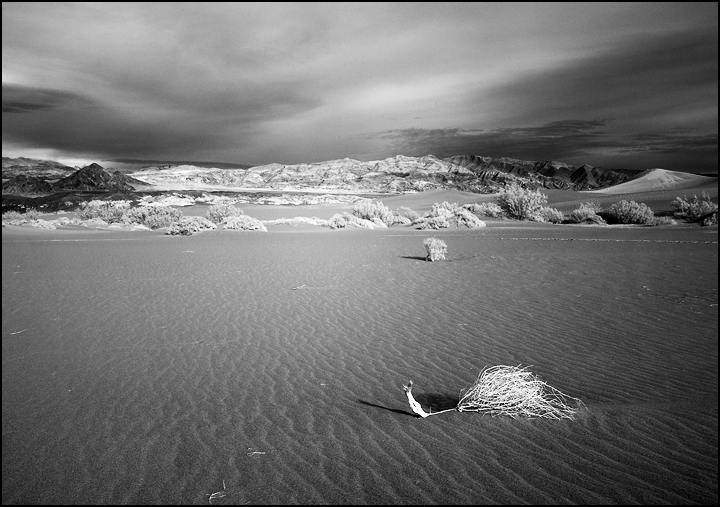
[660, 179]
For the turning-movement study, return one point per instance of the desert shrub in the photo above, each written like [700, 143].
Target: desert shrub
[244, 223]
[436, 249]
[693, 208]
[337, 221]
[297, 221]
[153, 217]
[401, 220]
[109, 211]
[629, 212]
[432, 223]
[586, 211]
[340, 221]
[188, 226]
[710, 219]
[665, 220]
[13, 215]
[464, 218]
[486, 209]
[551, 215]
[369, 210]
[443, 209]
[406, 212]
[32, 214]
[520, 203]
[217, 213]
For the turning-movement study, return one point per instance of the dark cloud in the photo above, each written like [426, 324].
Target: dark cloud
[568, 140]
[553, 141]
[25, 99]
[295, 82]
[657, 77]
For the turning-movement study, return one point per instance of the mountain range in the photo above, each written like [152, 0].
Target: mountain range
[392, 175]
[396, 174]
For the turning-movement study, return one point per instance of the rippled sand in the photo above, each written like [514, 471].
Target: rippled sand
[144, 368]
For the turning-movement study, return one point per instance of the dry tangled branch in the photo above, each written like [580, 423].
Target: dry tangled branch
[509, 391]
[514, 391]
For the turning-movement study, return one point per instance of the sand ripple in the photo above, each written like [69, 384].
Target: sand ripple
[152, 373]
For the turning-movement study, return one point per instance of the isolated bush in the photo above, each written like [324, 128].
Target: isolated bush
[436, 249]
[630, 212]
[217, 213]
[244, 223]
[486, 209]
[694, 208]
[551, 215]
[188, 226]
[585, 212]
[370, 210]
[520, 203]
[153, 217]
[109, 211]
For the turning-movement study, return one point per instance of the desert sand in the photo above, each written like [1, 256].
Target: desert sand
[268, 367]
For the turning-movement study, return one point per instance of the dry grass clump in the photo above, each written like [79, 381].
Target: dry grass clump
[514, 391]
[436, 249]
[243, 223]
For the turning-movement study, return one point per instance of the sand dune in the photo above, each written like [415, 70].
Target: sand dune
[660, 179]
[144, 368]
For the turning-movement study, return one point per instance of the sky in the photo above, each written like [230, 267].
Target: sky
[616, 85]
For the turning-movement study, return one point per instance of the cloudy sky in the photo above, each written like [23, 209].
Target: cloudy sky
[620, 85]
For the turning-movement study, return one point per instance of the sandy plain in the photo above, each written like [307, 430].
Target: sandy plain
[144, 368]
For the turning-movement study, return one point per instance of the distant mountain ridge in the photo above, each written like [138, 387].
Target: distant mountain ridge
[32, 167]
[90, 178]
[397, 174]
[392, 175]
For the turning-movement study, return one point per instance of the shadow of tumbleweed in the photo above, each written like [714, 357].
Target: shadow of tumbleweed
[396, 410]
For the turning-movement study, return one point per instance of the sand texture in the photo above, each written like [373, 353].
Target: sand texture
[144, 368]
